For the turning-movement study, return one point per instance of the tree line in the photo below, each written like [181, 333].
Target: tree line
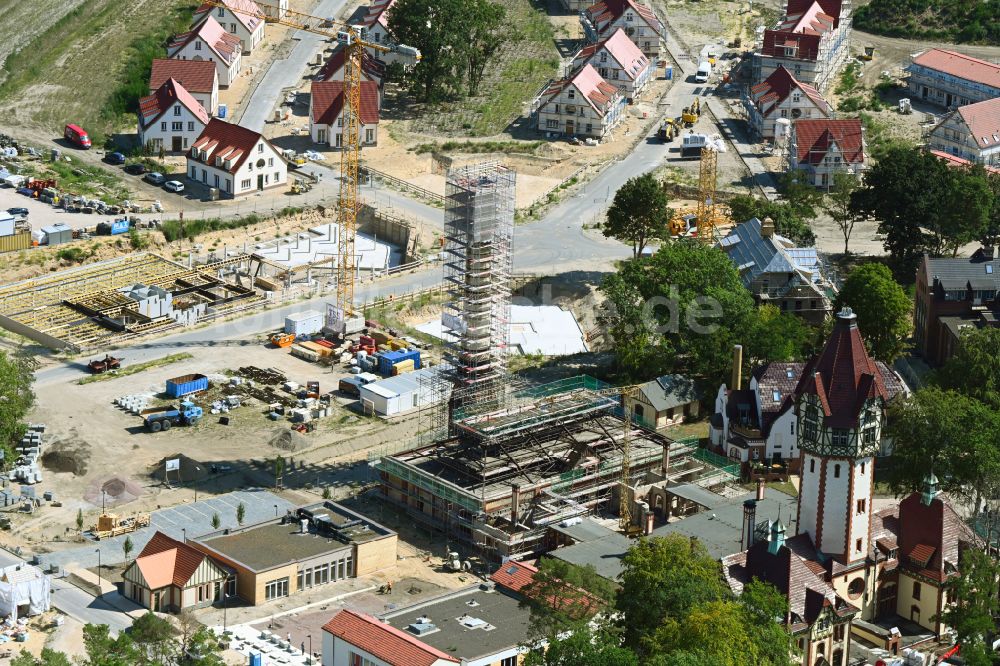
[16, 398]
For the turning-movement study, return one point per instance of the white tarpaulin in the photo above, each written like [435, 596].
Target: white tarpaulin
[24, 587]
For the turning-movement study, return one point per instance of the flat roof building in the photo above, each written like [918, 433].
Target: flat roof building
[310, 546]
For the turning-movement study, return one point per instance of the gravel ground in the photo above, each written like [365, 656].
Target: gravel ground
[42, 214]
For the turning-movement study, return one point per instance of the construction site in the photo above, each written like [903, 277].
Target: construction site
[501, 461]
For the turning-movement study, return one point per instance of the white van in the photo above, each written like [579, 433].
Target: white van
[704, 71]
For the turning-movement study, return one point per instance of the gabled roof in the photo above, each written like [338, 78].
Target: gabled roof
[246, 12]
[777, 87]
[371, 68]
[383, 641]
[960, 272]
[804, 23]
[224, 44]
[961, 66]
[806, 45]
[810, 21]
[328, 102]
[955, 161]
[378, 12]
[843, 376]
[166, 561]
[669, 391]
[594, 89]
[152, 107]
[622, 49]
[829, 7]
[929, 536]
[197, 76]
[755, 254]
[225, 140]
[608, 11]
[983, 121]
[514, 575]
[815, 136]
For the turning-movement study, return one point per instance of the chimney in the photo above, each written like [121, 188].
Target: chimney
[749, 523]
[737, 377]
[767, 228]
[760, 489]
[665, 459]
[515, 501]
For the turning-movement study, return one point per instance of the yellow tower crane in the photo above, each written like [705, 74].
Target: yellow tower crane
[624, 502]
[347, 209]
[708, 215]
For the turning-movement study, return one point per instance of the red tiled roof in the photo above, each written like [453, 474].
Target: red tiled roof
[983, 121]
[227, 141]
[378, 12]
[152, 107]
[961, 66]
[371, 68]
[813, 138]
[921, 554]
[776, 41]
[514, 575]
[198, 76]
[384, 641]
[607, 11]
[624, 51]
[955, 161]
[166, 561]
[224, 44]
[776, 88]
[804, 23]
[828, 7]
[328, 101]
[843, 376]
[246, 12]
[929, 535]
[598, 92]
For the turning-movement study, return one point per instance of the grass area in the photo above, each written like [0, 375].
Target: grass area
[697, 429]
[176, 230]
[945, 20]
[781, 486]
[138, 367]
[77, 177]
[881, 135]
[509, 147]
[77, 70]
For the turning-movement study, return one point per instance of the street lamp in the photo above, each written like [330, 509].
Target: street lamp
[225, 602]
[309, 659]
[99, 591]
[275, 510]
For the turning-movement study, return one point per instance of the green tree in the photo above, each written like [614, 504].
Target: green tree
[16, 377]
[437, 28]
[279, 470]
[203, 648]
[975, 605]
[561, 595]
[789, 220]
[600, 646]
[777, 336]
[127, 547]
[639, 213]
[49, 657]
[216, 520]
[79, 520]
[102, 650]
[882, 307]
[137, 240]
[968, 203]
[241, 513]
[153, 637]
[488, 31]
[764, 611]
[327, 494]
[974, 369]
[838, 205]
[951, 434]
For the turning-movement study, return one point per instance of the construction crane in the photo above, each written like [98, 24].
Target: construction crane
[707, 215]
[347, 210]
[624, 505]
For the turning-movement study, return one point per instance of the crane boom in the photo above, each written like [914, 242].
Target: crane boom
[624, 505]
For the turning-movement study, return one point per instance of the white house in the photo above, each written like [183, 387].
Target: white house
[619, 62]
[209, 41]
[326, 112]
[639, 22]
[376, 24]
[582, 105]
[811, 41]
[242, 18]
[971, 132]
[781, 95]
[351, 638]
[820, 148]
[276, 9]
[170, 119]
[235, 160]
[199, 77]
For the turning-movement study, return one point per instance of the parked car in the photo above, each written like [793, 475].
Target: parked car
[174, 186]
[115, 158]
[18, 212]
[136, 168]
[155, 177]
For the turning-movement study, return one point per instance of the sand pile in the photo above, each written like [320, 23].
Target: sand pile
[288, 440]
[113, 491]
[190, 470]
[68, 455]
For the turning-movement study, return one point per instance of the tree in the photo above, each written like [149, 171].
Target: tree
[16, 377]
[975, 604]
[327, 494]
[279, 470]
[777, 336]
[203, 648]
[488, 30]
[127, 546]
[216, 520]
[241, 513]
[102, 650]
[974, 369]
[562, 595]
[79, 520]
[948, 433]
[49, 657]
[638, 213]
[882, 307]
[838, 205]
[966, 213]
[437, 28]
[789, 220]
[153, 637]
[599, 646]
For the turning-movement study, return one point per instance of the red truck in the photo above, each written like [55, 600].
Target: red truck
[75, 135]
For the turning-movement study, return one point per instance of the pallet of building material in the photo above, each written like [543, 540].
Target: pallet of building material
[111, 525]
[262, 375]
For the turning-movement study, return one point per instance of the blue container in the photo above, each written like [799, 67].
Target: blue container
[387, 359]
[670, 73]
[256, 659]
[119, 227]
[186, 385]
[222, 111]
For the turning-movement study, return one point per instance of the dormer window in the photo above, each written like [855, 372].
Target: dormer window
[776, 396]
[218, 161]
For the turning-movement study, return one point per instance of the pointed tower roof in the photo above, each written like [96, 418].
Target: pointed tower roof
[843, 376]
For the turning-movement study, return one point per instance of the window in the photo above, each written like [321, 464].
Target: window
[812, 465]
[190, 126]
[551, 124]
[857, 545]
[245, 185]
[276, 589]
[776, 396]
[604, 56]
[270, 161]
[260, 147]
[369, 136]
[571, 93]
[340, 121]
[216, 180]
[798, 305]
[222, 11]
[177, 127]
[277, 176]
[840, 437]
[862, 468]
[229, 185]
[784, 113]
[232, 27]
[355, 659]
[193, 172]
[197, 46]
[836, 471]
[509, 661]
[792, 429]
[796, 97]
[916, 591]
[861, 505]
[204, 176]
[177, 110]
[163, 127]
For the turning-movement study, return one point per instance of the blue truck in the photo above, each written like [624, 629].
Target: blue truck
[164, 418]
[186, 384]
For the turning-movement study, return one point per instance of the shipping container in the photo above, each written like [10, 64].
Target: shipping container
[6, 224]
[308, 322]
[186, 385]
[386, 360]
[21, 241]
